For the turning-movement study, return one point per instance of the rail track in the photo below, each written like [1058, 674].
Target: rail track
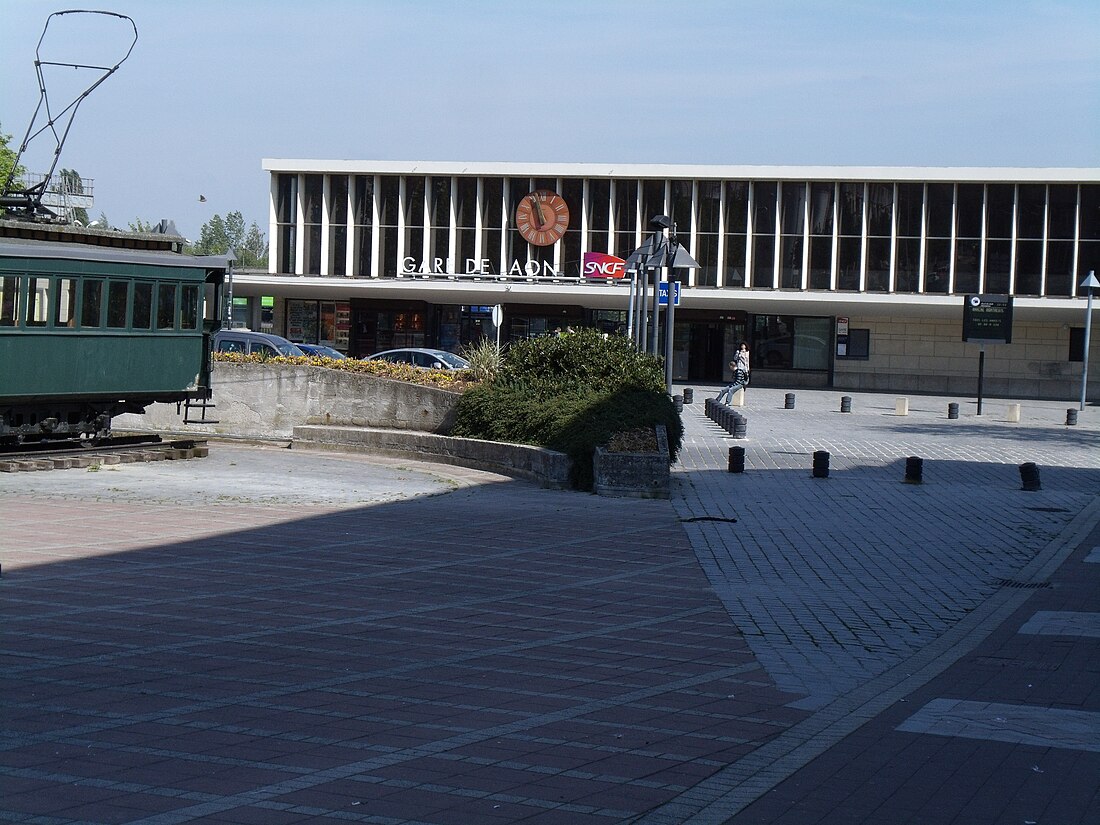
[76, 454]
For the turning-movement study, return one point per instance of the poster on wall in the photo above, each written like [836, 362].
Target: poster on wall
[343, 325]
[841, 336]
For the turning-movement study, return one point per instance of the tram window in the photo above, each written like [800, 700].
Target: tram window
[117, 294]
[64, 312]
[143, 305]
[91, 307]
[38, 301]
[9, 301]
[189, 307]
[166, 306]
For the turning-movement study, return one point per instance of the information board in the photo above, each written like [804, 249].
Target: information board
[987, 319]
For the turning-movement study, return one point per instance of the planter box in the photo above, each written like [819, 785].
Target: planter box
[633, 475]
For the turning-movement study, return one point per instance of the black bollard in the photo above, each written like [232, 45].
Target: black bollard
[708, 407]
[1071, 417]
[846, 403]
[821, 464]
[1029, 475]
[689, 395]
[952, 410]
[788, 401]
[678, 403]
[737, 460]
[740, 427]
[914, 470]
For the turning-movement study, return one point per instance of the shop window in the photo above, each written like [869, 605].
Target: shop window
[789, 342]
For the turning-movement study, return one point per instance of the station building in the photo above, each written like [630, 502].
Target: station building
[847, 277]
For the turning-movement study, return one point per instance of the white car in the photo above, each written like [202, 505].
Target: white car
[431, 359]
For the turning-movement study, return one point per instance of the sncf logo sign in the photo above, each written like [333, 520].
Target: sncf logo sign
[600, 265]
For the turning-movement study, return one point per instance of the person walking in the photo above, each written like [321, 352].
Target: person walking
[739, 366]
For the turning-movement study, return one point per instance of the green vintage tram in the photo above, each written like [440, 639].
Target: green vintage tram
[92, 327]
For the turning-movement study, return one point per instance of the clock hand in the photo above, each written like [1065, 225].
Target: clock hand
[539, 212]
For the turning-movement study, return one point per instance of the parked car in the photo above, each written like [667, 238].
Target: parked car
[320, 351]
[432, 359]
[247, 342]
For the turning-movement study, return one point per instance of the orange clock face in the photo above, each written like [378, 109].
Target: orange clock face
[542, 217]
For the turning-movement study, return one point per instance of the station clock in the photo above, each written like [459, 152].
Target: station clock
[542, 217]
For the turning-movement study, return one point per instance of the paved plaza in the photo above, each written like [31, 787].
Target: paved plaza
[269, 635]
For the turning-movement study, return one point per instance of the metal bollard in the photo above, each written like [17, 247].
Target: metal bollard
[846, 403]
[689, 395]
[1029, 475]
[737, 460]
[1071, 418]
[740, 427]
[708, 407]
[914, 470]
[821, 464]
[952, 410]
[788, 401]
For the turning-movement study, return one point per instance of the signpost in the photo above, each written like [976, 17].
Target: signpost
[662, 293]
[498, 320]
[987, 319]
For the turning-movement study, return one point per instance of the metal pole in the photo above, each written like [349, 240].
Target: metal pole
[981, 376]
[643, 311]
[669, 327]
[630, 309]
[655, 329]
[1088, 330]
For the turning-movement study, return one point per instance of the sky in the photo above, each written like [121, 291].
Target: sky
[210, 89]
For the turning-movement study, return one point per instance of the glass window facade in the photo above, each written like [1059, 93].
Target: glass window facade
[893, 236]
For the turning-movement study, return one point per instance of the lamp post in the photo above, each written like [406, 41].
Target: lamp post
[230, 259]
[1090, 283]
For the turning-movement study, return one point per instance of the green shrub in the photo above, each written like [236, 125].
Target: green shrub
[485, 359]
[570, 393]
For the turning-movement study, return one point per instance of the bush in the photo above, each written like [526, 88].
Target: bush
[484, 358]
[570, 393]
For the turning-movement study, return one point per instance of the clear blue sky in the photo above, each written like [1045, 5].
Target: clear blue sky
[213, 87]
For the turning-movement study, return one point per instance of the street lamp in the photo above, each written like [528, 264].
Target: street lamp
[656, 253]
[1090, 283]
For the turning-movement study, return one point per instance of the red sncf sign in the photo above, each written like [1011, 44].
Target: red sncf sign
[601, 265]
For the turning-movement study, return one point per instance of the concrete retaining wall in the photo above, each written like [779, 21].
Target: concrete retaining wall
[549, 468]
[259, 401]
[333, 409]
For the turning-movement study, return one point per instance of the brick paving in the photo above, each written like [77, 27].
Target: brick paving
[270, 636]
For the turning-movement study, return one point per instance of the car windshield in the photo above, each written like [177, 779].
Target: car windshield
[451, 360]
[288, 349]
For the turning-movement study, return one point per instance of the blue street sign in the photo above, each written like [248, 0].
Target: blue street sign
[662, 294]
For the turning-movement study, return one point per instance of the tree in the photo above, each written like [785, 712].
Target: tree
[218, 235]
[7, 161]
[138, 225]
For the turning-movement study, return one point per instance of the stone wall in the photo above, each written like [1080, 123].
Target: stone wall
[917, 355]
